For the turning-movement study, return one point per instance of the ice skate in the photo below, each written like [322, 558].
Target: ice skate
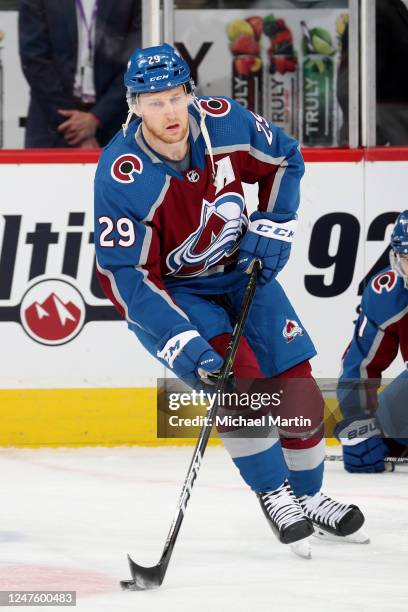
[287, 519]
[333, 520]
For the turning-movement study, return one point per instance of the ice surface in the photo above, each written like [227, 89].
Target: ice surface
[68, 518]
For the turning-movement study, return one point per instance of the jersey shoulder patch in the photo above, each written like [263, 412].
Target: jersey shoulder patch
[215, 107]
[126, 176]
[384, 282]
[382, 298]
[125, 166]
[227, 121]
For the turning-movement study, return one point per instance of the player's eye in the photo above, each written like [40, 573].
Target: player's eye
[156, 104]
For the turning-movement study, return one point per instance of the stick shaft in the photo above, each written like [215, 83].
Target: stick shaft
[207, 427]
[395, 460]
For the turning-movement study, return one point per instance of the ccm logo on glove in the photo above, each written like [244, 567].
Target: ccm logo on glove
[190, 356]
[279, 231]
[175, 345]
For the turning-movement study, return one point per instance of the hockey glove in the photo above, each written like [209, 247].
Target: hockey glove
[269, 240]
[363, 448]
[190, 356]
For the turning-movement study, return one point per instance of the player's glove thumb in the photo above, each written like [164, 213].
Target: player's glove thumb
[363, 447]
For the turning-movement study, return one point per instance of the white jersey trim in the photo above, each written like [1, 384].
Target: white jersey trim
[162, 293]
[116, 292]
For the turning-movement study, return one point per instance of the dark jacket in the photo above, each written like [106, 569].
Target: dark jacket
[392, 84]
[48, 38]
[392, 51]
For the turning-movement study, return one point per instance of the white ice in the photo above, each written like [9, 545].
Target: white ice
[69, 516]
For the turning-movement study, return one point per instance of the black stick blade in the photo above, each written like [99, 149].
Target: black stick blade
[143, 578]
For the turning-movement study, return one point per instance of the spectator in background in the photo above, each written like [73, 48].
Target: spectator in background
[392, 83]
[74, 54]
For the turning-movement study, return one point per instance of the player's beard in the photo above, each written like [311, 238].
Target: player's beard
[163, 135]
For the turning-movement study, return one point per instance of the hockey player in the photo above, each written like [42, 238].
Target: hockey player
[374, 427]
[174, 246]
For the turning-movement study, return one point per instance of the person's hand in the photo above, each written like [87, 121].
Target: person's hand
[269, 241]
[79, 126]
[190, 357]
[89, 143]
[363, 447]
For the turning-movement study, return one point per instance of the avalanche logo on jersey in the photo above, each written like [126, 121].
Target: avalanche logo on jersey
[221, 227]
[385, 281]
[125, 166]
[216, 107]
[291, 330]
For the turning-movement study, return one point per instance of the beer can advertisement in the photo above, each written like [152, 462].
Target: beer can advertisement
[280, 63]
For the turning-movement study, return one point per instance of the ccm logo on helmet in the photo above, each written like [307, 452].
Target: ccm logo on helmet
[125, 166]
[216, 107]
[384, 282]
[160, 77]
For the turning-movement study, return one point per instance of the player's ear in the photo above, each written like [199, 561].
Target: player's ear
[135, 108]
[133, 104]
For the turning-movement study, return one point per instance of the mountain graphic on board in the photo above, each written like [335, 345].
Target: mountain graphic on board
[52, 319]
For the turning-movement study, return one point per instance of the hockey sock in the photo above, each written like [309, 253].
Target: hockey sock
[258, 457]
[304, 447]
[262, 470]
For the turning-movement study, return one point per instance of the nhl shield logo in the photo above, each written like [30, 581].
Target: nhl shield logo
[291, 330]
[193, 176]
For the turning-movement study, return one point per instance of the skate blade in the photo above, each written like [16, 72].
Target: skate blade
[359, 537]
[302, 548]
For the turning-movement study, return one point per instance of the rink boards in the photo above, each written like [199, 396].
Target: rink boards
[71, 373]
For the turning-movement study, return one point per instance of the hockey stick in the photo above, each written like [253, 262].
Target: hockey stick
[387, 460]
[144, 578]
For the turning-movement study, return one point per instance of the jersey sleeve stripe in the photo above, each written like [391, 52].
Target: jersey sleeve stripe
[276, 186]
[367, 361]
[256, 153]
[266, 158]
[111, 290]
[159, 201]
[395, 318]
[147, 240]
[161, 293]
[229, 149]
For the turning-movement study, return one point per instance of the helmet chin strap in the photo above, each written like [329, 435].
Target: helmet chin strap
[126, 124]
[130, 114]
[207, 140]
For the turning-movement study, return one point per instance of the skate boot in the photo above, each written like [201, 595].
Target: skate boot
[333, 520]
[285, 516]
